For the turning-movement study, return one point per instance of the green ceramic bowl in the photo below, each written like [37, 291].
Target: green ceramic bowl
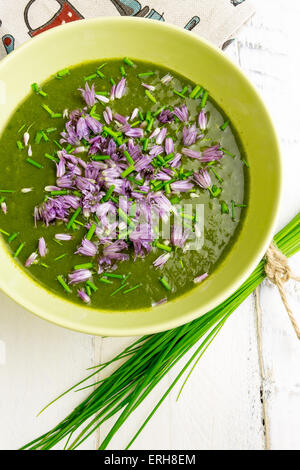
[185, 53]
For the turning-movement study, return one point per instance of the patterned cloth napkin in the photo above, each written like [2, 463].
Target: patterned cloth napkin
[216, 20]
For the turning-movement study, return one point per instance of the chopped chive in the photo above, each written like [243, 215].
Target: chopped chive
[204, 99]
[246, 163]
[50, 157]
[128, 158]
[60, 257]
[61, 192]
[228, 153]
[100, 74]
[184, 90]
[34, 163]
[119, 289]
[146, 74]
[216, 175]
[165, 283]
[132, 289]
[127, 61]
[105, 281]
[45, 265]
[224, 208]
[223, 127]
[51, 129]
[7, 190]
[150, 96]
[46, 108]
[38, 137]
[150, 125]
[114, 276]
[56, 115]
[58, 242]
[99, 158]
[125, 217]
[241, 205]
[112, 81]
[145, 145]
[88, 291]
[110, 132]
[141, 115]
[136, 123]
[123, 71]
[92, 286]
[4, 232]
[12, 237]
[164, 247]
[20, 145]
[19, 249]
[90, 77]
[178, 93]
[127, 172]
[73, 218]
[84, 266]
[108, 194]
[64, 284]
[195, 91]
[233, 210]
[126, 277]
[91, 232]
[62, 73]
[21, 128]
[45, 137]
[159, 111]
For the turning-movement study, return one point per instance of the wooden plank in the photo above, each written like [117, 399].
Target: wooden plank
[38, 362]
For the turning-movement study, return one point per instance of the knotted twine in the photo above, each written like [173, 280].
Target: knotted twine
[278, 272]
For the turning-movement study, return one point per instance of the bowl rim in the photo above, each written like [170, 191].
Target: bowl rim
[244, 272]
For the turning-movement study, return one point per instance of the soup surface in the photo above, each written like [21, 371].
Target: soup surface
[146, 134]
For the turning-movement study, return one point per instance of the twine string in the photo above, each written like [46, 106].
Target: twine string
[279, 272]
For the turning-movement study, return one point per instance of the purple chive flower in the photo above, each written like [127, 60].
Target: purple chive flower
[89, 94]
[83, 295]
[166, 116]
[169, 145]
[182, 186]
[87, 248]
[63, 236]
[201, 278]
[212, 153]
[29, 151]
[203, 178]
[102, 99]
[107, 115]
[82, 129]
[26, 138]
[161, 175]
[191, 153]
[156, 150]
[31, 260]
[161, 260]
[202, 120]
[42, 247]
[120, 88]
[160, 302]
[122, 119]
[142, 163]
[61, 168]
[176, 162]
[189, 135]
[65, 181]
[26, 190]
[178, 236]
[4, 207]
[154, 133]
[182, 113]
[134, 114]
[80, 275]
[148, 87]
[166, 79]
[93, 124]
[161, 136]
[135, 132]
[113, 92]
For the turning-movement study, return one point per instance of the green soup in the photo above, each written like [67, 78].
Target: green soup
[29, 166]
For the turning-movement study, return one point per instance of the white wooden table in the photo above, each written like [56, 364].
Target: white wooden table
[245, 392]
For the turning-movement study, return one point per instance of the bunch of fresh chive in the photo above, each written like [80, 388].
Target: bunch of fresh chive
[148, 360]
